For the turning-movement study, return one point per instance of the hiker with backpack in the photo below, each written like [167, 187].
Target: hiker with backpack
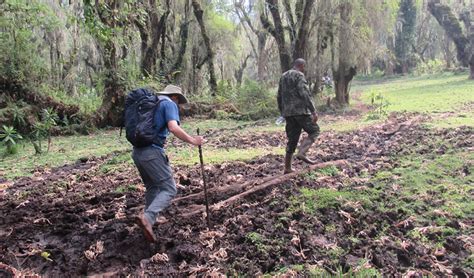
[149, 118]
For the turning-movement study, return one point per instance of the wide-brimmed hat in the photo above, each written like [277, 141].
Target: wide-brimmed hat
[174, 90]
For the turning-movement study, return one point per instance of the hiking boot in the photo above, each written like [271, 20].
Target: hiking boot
[146, 227]
[288, 161]
[305, 159]
[303, 149]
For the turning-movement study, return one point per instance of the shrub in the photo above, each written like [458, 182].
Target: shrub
[430, 67]
[43, 129]
[9, 138]
[379, 106]
[256, 101]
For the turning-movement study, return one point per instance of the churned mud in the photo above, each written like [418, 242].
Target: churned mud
[76, 220]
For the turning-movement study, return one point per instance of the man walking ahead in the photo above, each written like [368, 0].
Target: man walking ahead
[152, 161]
[295, 104]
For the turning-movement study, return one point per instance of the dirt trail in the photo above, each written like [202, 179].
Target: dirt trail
[73, 220]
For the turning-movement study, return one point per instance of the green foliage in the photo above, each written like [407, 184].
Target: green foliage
[88, 99]
[19, 56]
[430, 67]
[43, 129]
[379, 106]
[19, 116]
[256, 101]
[9, 138]
[219, 24]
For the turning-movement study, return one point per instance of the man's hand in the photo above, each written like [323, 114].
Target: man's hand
[181, 134]
[314, 116]
[197, 140]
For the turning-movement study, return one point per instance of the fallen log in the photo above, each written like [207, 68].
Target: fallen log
[274, 181]
[229, 189]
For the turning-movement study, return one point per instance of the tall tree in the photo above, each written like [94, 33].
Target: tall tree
[344, 69]
[183, 34]
[259, 51]
[103, 20]
[450, 23]
[278, 32]
[151, 27]
[198, 13]
[298, 28]
[405, 37]
[299, 50]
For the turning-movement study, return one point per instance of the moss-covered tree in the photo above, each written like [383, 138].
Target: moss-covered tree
[464, 40]
[405, 36]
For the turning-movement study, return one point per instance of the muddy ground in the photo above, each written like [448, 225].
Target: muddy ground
[76, 220]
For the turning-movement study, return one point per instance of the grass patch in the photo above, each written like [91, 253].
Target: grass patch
[455, 120]
[429, 93]
[311, 200]
[326, 171]
[441, 182]
[69, 149]
[64, 150]
[346, 126]
[124, 189]
[116, 162]
[190, 125]
[188, 155]
[430, 190]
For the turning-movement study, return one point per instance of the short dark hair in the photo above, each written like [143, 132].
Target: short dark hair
[299, 62]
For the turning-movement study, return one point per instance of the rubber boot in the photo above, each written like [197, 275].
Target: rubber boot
[288, 161]
[303, 149]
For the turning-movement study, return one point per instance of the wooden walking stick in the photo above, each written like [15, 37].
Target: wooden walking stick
[205, 185]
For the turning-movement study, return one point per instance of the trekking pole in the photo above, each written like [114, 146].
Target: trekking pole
[205, 185]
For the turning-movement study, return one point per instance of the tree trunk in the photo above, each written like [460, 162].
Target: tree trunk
[198, 12]
[195, 59]
[447, 51]
[239, 73]
[405, 37]
[345, 72]
[471, 38]
[452, 26]
[259, 51]
[303, 32]
[278, 33]
[342, 84]
[151, 54]
[183, 33]
[163, 47]
[111, 109]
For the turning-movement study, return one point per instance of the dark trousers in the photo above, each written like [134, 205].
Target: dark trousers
[293, 128]
[155, 171]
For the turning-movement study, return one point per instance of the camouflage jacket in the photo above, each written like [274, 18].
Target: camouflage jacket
[293, 95]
